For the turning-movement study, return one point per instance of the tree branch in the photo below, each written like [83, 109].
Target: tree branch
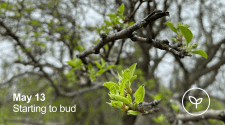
[82, 91]
[126, 33]
[162, 44]
[210, 114]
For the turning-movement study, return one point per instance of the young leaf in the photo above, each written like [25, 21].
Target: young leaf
[98, 64]
[112, 96]
[103, 62]
[171, 26]
[72, 63]
[200, 52]
[133, 78]
[186, 33]
[140, 94]
[116, 104]
[160, 119]
[131, 112]
[92, 77]
[129, 98]
[120, 77]
[126, 74]
[175, 107]
[110, 66]
[89, 66]
[157, 97]
[120, 9]
[131, 23]
[110, 84]
[174, 39]
[122, 99]
[111, 16]
[122, 86]
[100, 72]
[114, 90]
[194, 46]
[132, 69]
[108, 23]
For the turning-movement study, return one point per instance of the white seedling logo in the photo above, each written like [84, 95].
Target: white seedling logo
[198, 101]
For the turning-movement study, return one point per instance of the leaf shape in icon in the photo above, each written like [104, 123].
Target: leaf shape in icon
[190, 99]
[198, 101]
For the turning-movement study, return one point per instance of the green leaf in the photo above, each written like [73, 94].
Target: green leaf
[110, 66]
[129, 98]
[140, 94]
[160, 119]
[39, 43]
[108, 23]
[121, 8]
[186, 33]
[98, 64]
[80, 47]
[35, 22]
[122, 86]
[131, 23]
[93, 77]
[101, 28]
[109, 104]
[171, 26]
[175, 107]
[194, 46]
[122, 99]
[20, 57]
[103, 62]
[200, 52]
[126, 74]
[100, 72]
[131, 112]
[112, 95]
[132, 69]
[174, 39]
[133, 78]
[110, 84]
[72, 63]
[95, 28]
[116, 104]
[157, 97]
[89, 66]
[112, 16]
[107, 30]
[114, 90]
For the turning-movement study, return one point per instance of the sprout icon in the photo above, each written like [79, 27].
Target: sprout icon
[198, 101]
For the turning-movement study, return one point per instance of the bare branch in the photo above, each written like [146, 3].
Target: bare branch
[162, 44]
[120, 51]
[82, 91]
[210, 114]
[19, 75]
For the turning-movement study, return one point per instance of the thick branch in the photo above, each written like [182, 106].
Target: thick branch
[126, 33]
[19, 75]
[162, 44]
[210, 114]
[82, 91]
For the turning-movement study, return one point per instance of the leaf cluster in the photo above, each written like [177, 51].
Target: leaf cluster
[91, 71]
[121, 95]
[116, 20]
[182, 31]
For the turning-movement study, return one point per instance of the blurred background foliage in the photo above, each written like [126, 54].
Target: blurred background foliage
[37, 37]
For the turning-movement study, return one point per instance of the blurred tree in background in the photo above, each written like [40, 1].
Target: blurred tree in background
[38, 37]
